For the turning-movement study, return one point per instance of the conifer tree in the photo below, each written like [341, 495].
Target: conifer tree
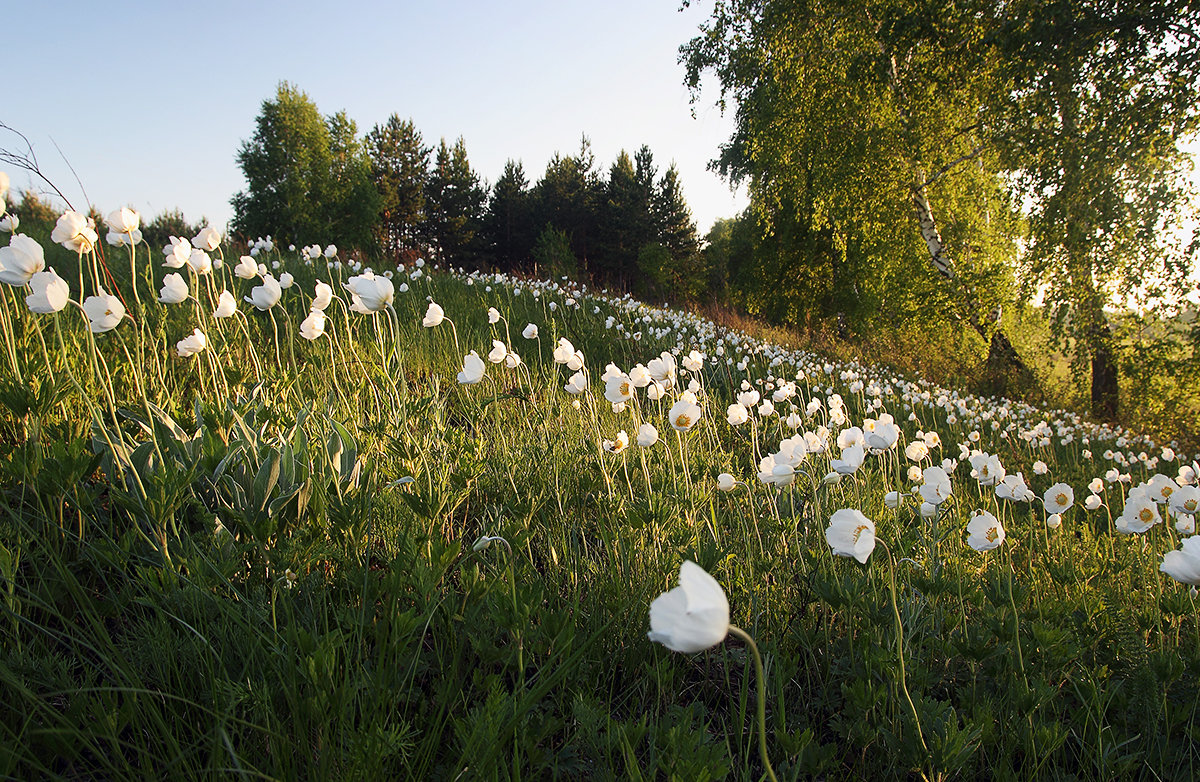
[399, 168]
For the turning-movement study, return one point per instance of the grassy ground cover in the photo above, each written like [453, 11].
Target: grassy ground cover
[338, 557]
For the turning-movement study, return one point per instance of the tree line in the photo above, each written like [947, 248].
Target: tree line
[934, 162]
[312, 178]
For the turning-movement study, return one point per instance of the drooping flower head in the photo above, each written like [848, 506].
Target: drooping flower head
[104, 312]
[50, 293]
[191, 344]
[434, 316]
[20, 260]
[313, 326]
[851, 534]
[267, 295]
[693, 616]
[473, 369]
[75, 232]
[174, 289]
[1184, 565]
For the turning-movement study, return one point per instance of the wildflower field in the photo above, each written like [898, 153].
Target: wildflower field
[267, 513]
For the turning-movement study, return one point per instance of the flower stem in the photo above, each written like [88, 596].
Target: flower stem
[762, 699]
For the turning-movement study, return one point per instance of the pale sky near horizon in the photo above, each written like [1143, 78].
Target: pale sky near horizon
[149, 101]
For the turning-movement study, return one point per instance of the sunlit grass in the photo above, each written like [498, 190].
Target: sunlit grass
[261, 559]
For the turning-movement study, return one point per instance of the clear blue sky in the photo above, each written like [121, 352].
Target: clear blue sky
[149, 101]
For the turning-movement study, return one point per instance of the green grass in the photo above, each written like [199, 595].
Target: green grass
[141, 641]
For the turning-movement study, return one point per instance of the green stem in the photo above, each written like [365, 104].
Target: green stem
[762, 699]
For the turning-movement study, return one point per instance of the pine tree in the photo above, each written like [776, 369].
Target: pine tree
[399, 168]
[455, 201]
[567, 197]
[507, 227]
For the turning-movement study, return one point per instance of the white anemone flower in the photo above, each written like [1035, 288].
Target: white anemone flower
[174, 289]
[693, 616]
[314, 325]
[226, 305]
[50, 293]
[851, 534]
[104, 312]
[267, 295]
[191, 344]
[473, 370]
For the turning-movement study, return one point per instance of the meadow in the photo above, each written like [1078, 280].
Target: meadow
[269, 513]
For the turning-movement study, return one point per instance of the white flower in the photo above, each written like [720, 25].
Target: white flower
[226, 305]
[123, 220]
[434, 316]
[892, 499]
[986, 469]
[916, 451]
[1058, 498]
[1054, 520]
[174, 289]
[1184, 565]
[1140, 514]
[199, 262]
[984, 531]
[936, 488]
[684, 414]
[1013, 487]
[314, 325]
[247, 268]
[1092, 502]
[851, 534]
[563, 351]
[693, 616]
[1040, 468]
[498, 352]
[493, 315]
[20, 260]
[619, 444]
[9, 223]
[1186, 499]
[104, 312]
[530, 332]
[737, 414]
[324, 296]
[75, 232]
[725, 482]
[286, 280]
[208, 239]
[577, 384]
[647, 435]
[618, 388]
[851, 460]
[191, 344]
[50, 293]
[369, 293]
[473, 369]
[267, 295]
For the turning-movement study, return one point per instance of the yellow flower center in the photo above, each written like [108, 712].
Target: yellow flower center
[625, 389]
[1060, 498]
[858, 531]
[1190, 506]
[992, 534]
[683, 421]
[1146, 515]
